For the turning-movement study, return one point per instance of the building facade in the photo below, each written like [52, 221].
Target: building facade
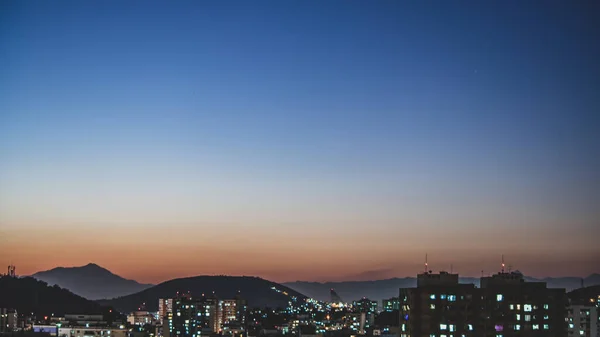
[583, 320]
[141, 318]
[390, 304]
[165, 306]
[8, 320]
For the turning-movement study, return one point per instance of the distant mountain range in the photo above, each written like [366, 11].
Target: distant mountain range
[27, 294]
[96, 283]
[258, 292]
[90, 281]
[381, 289]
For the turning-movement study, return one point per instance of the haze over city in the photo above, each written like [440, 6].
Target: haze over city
[300, 140]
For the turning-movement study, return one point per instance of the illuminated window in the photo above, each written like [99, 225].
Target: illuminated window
[499, 298]
[443, 327]
[432, 306]
[451, 298]
[527, 307]
[432, 296]
[527, 318]
[443, 297]
[512, 307]
[546, 327]
[546, 306]
[470, 327]
[517, 327]
[536, 327]
[518, 316]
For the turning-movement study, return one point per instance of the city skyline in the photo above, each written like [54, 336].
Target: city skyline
[299, 141]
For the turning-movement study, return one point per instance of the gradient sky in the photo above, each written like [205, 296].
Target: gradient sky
[313, 140]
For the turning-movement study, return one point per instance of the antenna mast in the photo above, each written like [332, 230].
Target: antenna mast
[502, 263]
[426, 268]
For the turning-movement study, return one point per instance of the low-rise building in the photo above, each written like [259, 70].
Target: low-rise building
[141, 318]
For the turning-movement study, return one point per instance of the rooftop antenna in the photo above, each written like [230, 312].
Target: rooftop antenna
[481, 272]
[502, 263]
[426, 268]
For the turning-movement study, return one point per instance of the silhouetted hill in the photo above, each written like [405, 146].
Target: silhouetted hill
[256, 291]
[583, 295]
[380, 289]
[30, 295]
[90, 281]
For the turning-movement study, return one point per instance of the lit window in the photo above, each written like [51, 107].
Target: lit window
[451, 327]
[512, 307]
[443, 297]
[536, 327]
[546, 327]
[470, 327]
[443, 327]
[452, 298]
[517, 327]
[432, 306]
[518, 317]
[546, 306]
[527, 318]
[499, 298]
[527, 307]
[432, 296]
[518, 307]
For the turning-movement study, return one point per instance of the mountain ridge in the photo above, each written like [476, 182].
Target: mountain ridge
[387, 288]
[27, 294]
[257, 291]
[90, 281]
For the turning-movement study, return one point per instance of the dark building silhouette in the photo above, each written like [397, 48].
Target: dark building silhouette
[505, 305]
[438, 306]
[514, 307]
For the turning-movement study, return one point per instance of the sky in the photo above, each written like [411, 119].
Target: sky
[300, 140]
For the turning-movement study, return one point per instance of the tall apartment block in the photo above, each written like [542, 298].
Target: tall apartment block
[504, 306]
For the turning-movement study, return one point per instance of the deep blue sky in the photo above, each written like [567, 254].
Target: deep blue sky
[459, 127]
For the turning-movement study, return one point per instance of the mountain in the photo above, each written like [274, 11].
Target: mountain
[90, 281]
[30, 295]
[258, 292]
[381, 289]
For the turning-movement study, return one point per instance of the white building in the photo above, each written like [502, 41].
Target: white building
[81, 331]
[141, 318]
